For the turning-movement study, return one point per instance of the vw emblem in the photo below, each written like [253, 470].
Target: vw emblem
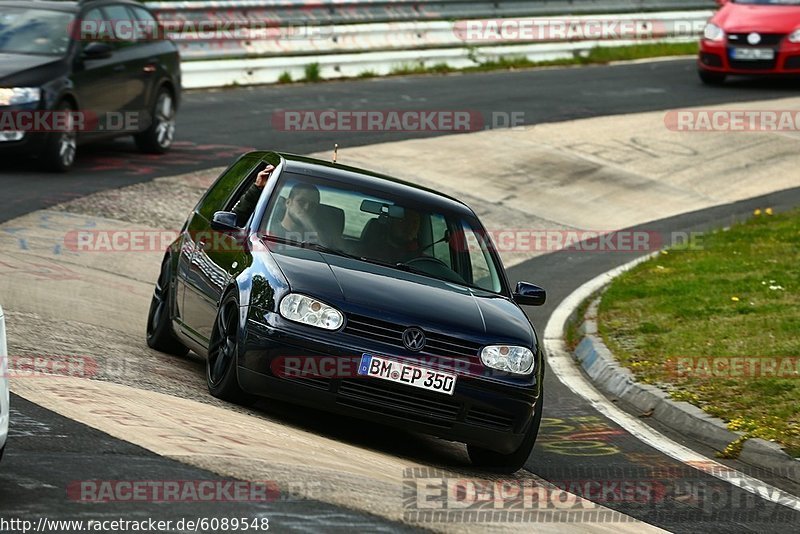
[753, 38]
[414, 339]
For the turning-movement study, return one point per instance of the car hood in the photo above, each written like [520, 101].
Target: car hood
[19, 69]
[404, 298]
[739, 18]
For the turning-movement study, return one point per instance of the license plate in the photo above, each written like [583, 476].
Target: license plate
[403, 373]
[752, 54]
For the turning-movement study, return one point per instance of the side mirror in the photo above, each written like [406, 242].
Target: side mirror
[721, 3]
[528, 294]
[97, 50]
[224, 221]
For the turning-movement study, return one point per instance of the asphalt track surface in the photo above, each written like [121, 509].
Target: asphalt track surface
[214, 127]
[47, 451]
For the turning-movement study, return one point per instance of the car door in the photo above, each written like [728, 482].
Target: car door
[202, 264]
[127, 51]
[98, 81]
[151, 53]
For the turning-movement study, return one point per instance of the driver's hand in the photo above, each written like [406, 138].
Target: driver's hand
[305, 219]
[261, 179]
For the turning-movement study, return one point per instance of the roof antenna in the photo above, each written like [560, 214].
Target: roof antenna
[335, 151]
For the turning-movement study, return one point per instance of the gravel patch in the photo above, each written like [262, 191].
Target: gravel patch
[161, 203]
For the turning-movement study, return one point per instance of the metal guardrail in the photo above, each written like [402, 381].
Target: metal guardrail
[221, 73]
[227, 42]
[374, 37]
[359, 11]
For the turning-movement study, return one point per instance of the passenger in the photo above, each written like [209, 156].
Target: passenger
[402, 243]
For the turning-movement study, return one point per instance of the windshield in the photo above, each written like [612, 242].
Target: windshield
[34, 31]
[373, 227]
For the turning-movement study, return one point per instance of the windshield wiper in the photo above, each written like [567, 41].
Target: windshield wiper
[328, 250]
[311, 245]
[416, 270]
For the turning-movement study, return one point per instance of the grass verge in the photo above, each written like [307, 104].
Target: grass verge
[597, 55]
[718, 327]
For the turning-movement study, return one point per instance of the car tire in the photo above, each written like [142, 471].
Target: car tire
[223, 355]
[711, 78]
[512, 462]
[2, 452]
[160, 335]
[158, 137]
[60, 147]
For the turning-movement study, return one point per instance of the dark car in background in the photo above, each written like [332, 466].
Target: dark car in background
[75, 72]
[427, 336]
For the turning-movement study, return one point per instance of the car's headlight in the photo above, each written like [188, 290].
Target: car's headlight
[794, 37]
[310, 311]
[10, 96]
[519, 360]
[712, 32]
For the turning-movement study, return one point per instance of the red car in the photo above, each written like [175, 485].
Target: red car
[751, 37]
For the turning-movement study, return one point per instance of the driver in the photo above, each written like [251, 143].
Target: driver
[298, 221]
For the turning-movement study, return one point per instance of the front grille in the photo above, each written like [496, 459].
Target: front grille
[392, 334]
[761, 64]
[414, 405]
[491, 419]
[318, 382]
[767, 39]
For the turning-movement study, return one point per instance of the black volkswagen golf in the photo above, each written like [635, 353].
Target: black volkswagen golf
[74, 72]
[356, 293]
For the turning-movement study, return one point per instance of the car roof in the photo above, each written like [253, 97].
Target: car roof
[370, 179]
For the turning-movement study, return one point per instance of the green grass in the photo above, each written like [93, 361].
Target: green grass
[640, 51]
[312, 73]
[598, 55]
[420, 68]
[736, 297]
[572, 332]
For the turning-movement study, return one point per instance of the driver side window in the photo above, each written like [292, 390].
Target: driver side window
[93, 28]
[216, 197]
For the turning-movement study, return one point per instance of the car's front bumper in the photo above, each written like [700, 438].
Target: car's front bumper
[483, 412]
[715, 57]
